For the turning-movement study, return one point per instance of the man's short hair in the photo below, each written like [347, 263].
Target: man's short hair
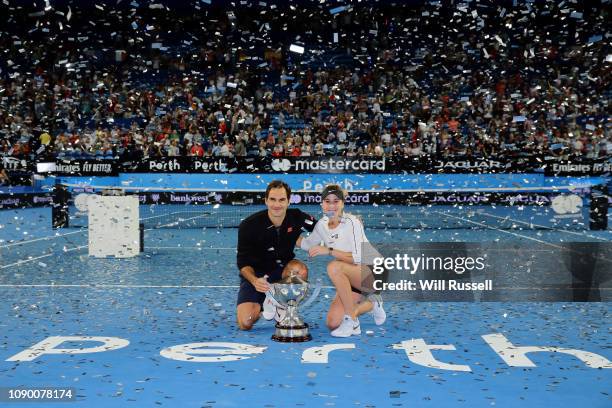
[278, 184]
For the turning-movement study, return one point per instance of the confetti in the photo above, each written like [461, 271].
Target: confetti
[337, 10]
[296, 48]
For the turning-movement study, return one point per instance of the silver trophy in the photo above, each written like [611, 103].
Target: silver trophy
[288, 294]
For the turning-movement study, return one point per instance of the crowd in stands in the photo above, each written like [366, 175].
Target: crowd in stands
[473, 79]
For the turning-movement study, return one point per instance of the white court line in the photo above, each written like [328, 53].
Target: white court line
[189, 247]
[500, 230]
[512, 233]
[41, 239]
[162, 215]
[179, 221]
[543, 226]
[234, 248]
[93, 285]
[111, 286]
[23, 261]
[82, 230]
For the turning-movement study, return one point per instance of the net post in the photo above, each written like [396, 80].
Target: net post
[59, 208]
[598, 213]
[141, 229]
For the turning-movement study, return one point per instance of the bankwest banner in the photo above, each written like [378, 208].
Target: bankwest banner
[560, 203]
[25, 200]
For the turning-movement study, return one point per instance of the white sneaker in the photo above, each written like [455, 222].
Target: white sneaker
[378, 312]
[347, 328]
[269, 309]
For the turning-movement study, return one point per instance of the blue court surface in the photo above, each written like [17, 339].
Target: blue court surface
[182, 291]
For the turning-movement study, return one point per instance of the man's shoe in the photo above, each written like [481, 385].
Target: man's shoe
[269, 309]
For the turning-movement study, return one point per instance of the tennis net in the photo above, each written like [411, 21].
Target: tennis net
[575, 208]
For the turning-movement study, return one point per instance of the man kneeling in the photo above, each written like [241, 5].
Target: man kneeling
[266, 241]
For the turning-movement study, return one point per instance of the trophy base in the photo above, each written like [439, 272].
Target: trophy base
[292, 334]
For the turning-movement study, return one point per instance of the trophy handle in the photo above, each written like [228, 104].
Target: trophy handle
[316, 289]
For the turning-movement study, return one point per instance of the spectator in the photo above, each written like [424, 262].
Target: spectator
[197, 150]
[4, 177]
[489, 89]
[173, 149]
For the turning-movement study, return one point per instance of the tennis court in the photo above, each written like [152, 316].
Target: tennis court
[181, 290]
